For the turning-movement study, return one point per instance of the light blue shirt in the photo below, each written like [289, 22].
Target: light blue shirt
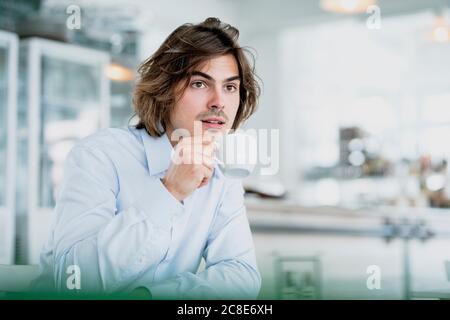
[123, 229]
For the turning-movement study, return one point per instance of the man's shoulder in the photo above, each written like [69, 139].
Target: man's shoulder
[110, 139]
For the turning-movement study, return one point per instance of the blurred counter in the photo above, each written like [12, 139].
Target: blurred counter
[330, 251]
[287, 216]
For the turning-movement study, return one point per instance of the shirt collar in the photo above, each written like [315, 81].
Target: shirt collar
[158, 151]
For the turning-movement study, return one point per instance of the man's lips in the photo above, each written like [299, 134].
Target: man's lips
[214, 120]
[210, 125]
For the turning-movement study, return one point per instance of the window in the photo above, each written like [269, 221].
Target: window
[390, 86]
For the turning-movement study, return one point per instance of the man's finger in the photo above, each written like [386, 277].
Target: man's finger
[208, 171]
[204, 182]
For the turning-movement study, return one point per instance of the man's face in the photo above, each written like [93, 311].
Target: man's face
[212, 97]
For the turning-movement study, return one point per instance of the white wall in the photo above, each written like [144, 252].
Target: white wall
[166, 16]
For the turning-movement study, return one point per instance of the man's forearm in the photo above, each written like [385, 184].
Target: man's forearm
[231, 279]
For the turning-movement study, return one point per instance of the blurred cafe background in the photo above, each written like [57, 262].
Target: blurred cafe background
[358, 89]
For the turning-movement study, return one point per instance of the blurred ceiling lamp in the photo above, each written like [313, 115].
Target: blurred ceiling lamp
[441, 29]
[119, 73]
[346, 6]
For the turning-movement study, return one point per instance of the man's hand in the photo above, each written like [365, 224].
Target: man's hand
[191, 167]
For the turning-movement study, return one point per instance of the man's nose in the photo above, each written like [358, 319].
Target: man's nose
[216, 100]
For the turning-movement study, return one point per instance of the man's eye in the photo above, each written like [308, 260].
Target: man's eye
[198, 84]
[231, 87]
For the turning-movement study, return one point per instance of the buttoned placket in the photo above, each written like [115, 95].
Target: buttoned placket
[176, 221]
[180, 220]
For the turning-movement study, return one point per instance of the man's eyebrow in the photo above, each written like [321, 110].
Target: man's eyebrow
[207, 76]
[232, 78]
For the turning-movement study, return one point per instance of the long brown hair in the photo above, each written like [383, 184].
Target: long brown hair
[186, 48]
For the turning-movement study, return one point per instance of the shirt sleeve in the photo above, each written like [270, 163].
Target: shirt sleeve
[231, 271]
[110, 248]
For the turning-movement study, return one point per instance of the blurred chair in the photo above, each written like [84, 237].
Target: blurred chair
[17, 278]
[298, 277]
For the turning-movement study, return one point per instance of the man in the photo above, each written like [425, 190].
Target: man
[130, 217]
